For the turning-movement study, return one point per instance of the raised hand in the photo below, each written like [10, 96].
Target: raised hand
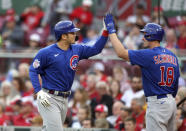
[109, 22]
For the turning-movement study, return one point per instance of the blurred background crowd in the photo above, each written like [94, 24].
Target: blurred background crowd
[105, 93]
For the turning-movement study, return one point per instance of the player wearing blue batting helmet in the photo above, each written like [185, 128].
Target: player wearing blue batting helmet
[153, 32]
[160, 74]
[64, 27]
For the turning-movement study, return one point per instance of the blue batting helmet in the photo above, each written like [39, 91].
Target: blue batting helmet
[64, 27]
[153, 32]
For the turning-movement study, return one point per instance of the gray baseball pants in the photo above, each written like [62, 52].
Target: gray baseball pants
[161, 114]
[55, 114]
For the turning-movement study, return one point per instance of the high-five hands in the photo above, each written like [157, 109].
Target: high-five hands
[42, 98]
[109, 22]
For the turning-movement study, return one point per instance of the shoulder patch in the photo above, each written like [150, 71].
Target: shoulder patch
[36, 63]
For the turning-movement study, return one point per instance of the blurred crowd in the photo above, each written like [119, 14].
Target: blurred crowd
[105, 94]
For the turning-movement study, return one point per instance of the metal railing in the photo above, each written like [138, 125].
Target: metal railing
[21, 128]
[107, 54]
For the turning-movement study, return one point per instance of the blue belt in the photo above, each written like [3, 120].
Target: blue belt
[58, 93]
[161, 96]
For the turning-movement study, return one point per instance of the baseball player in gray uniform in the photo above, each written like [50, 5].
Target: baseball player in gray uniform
[56, 64]
[160, 74]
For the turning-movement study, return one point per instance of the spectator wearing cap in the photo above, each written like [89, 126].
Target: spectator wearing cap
[25, 116]
[83, 18]
[12, 12]
[99, 69]
[101, 112]
[12, 34]
[8, 93]
[83, 13]
[34, 42]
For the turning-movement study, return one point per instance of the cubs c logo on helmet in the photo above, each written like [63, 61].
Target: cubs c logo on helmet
[74, 62]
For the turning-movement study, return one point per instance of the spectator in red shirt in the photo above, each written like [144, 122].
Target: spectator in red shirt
[80, 98]
[137, 112]
[130, 124]
[124, 113]
[182, 127]
[91, 87]
[16, 107]
[115, 90]
[32, 17]
[19, 85]
[4, 119]
[182, 37]
[83, 18]
[25, 116]
[83, 13]
[116, 111]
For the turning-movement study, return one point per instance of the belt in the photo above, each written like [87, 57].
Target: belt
[59, 93]
[159, 96]
[162, 96]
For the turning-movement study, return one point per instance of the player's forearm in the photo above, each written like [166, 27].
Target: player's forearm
[35, 80]
[118, 47]
[100, 43]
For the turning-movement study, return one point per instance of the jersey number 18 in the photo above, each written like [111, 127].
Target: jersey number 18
[169, 76]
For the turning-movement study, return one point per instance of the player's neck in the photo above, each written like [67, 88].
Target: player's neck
[63, 45]
[154, 44]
